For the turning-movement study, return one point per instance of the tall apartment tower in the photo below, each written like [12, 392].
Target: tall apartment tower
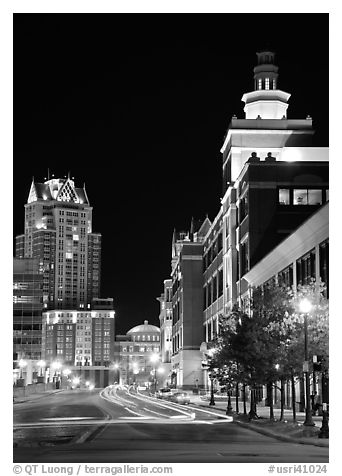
[58, 232]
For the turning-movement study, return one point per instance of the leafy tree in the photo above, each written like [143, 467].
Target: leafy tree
[266, 345]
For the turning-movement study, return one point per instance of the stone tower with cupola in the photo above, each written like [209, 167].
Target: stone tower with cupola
[265, 154]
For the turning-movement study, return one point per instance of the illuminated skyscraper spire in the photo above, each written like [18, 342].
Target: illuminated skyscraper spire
[58, 232]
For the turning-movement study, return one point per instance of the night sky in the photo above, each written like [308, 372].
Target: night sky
[136, 106]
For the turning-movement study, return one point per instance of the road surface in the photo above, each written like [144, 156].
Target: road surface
[119, 425]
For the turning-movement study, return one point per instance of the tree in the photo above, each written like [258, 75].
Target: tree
[291, 333]
[244, 341]
[266, 345]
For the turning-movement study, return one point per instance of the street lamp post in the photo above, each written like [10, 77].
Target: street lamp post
[40, 377]
[22, 365]
[160, 371]
[210, 354]
[41, 364]
[135, 372]
[117, 373]
[229, 410]
[212, 399]
[324, 431]
[155, 359]
[305, 307]
[56, 366]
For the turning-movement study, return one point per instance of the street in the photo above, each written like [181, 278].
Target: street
[120, 425]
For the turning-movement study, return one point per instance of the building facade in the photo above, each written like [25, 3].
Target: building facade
[58, 232]
[274, 180]
[27, 309]
[213, 279]
[301, 257]
[187, 306]
[79, 338]
[165, 319]
[137, 356]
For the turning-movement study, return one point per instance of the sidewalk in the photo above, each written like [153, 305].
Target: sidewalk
[285, 430]
[33, 396]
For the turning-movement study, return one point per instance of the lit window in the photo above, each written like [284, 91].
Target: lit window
[307, 197]
[300, 197]
[259, 84]
[315, 197]
[267, 83]
[284, 196]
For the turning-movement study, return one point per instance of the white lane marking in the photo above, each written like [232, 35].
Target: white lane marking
[160, 414]
[121, 420]
[163, 405]
[113, 392]
[134, 413]
[103, 394]
[225, 417]
[181, 417]
[135, 418]
[205, 422]
[68, 418]
[171, 404]
[83, 437]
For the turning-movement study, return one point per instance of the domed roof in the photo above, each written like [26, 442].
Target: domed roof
[146, 327]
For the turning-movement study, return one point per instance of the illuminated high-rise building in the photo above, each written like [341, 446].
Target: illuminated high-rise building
[58, 232]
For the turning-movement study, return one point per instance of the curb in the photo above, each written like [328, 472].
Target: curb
[37, 398]
[263, 431]
[301, 441]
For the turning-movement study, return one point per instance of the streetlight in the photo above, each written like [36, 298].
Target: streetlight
[305, 307]
[56, 366]
[211, 353]
[160, 371]
[212, 399]
[135, 371]
[41, 364]
[116, 367]
[22, 365]
[155, 359]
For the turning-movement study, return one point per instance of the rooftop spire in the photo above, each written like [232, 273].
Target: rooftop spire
[266, 72]
[266, 101]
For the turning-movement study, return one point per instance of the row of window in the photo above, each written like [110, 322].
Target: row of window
[147, 337]
[301, 196]
[140, 349]
[212, 251]
[213, 289]
[306, 268]
[265, 83]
